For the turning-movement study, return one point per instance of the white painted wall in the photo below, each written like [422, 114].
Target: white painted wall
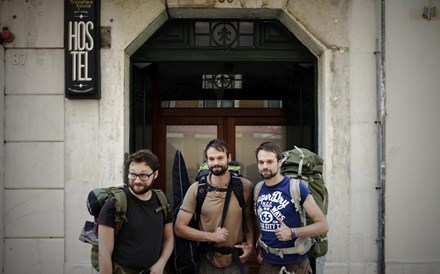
[412, 138]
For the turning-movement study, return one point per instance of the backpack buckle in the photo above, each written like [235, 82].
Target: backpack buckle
[279, 253]
[268, 249]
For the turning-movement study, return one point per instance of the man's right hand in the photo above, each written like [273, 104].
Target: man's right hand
[220, 235]
[260, 258]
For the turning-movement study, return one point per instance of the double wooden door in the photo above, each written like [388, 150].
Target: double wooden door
[191, 134]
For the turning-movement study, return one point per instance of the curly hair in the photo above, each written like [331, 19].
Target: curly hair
[144, 156]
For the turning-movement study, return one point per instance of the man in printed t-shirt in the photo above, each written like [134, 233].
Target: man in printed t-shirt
[279, 222]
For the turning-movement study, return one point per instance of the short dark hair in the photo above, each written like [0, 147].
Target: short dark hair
[144, 156]
[271, 147]
[218, 144]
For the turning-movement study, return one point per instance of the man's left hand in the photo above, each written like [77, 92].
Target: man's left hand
[247, 251]
[283, 233]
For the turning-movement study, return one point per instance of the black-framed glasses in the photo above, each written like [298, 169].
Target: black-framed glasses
[142, 176]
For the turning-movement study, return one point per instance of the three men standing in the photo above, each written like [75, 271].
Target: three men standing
[226, 228]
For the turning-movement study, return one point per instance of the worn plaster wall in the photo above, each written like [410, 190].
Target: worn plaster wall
[328, 23]
[363, 30]
[2, 151]
[34, 136]
[57, 149]
[412, 138]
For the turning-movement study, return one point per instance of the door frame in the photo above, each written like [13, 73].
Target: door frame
[175, 42]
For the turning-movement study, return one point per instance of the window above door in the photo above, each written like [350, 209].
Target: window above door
[223, 40]
[236, 85]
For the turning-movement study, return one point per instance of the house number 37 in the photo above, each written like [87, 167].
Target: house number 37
[19, 59]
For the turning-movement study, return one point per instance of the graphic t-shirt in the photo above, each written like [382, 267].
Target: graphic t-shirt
[274, 203]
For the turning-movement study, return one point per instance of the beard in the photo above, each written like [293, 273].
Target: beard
[140, 188]
[218, 172]
[270, 175]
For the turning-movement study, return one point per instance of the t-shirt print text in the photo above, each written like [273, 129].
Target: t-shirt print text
[269, 206]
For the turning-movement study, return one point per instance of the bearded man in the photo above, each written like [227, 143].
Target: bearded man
[226, 245]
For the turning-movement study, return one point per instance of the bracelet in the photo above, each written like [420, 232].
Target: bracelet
[292, 230]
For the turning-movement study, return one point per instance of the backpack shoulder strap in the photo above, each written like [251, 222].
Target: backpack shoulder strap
[202, 189]
[300, 165]
[295, 193]
[226, 203]
[257, 189]
[120, 197]
[237, 188]
[164, 205]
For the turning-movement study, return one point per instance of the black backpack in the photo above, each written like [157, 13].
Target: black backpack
[185, 256]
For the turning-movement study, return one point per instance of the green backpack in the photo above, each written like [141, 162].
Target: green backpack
[98, 196]
[306, 166]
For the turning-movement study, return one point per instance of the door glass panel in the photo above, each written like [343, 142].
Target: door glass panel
[248, 138]
[191, 141]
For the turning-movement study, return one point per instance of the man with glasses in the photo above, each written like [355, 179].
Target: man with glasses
[145, 242]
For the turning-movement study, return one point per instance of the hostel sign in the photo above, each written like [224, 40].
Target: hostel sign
[82, 49]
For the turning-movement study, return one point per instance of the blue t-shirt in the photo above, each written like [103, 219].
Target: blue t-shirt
[273, 203]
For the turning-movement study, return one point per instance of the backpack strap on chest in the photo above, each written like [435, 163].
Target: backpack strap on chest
[202, 189]
[235, 185]
[164, 205]
[226, 204]
[120, 198]
[257, 189]
[238, 189]
[295, 194]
